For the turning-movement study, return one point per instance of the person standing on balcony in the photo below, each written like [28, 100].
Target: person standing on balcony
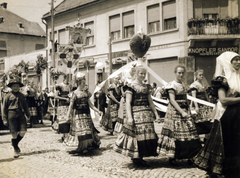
[179, 138]
[221, 153]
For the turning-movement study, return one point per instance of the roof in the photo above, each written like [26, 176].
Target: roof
[66, 5]
[11, 22]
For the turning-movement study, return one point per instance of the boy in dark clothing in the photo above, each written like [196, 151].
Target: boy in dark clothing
[14, 109]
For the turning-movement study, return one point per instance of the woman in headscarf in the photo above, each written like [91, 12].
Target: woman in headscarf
[83, 135]
[221, 153]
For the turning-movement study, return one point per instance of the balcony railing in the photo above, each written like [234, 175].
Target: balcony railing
[214, 26]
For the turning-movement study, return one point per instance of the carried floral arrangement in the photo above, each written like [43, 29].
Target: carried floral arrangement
[23, 66]
[41, 64]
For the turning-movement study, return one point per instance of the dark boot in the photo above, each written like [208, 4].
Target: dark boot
[19, 138]
[16, 151]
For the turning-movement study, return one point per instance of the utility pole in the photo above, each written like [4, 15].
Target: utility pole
[52, 38]
[110, 55]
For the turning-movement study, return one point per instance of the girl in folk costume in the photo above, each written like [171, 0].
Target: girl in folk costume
[221, 153]
[4, 90]
[52, 106]
[179, 138]
[138, 138]
[32, 103]
[62, 92]
[109, 119]
[82, 135]
[198, 89]
[127, 77]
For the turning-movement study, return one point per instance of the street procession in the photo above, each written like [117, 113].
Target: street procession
[130, 89]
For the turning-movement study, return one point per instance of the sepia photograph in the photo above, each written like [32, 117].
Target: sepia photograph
[119, 89]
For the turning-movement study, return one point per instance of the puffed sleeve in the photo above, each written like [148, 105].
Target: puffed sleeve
[128, 88]
[192, 87]
[216, 83]
[149, 89]
[169, 86]
[59, 88]
[89, 94]
[111, 88]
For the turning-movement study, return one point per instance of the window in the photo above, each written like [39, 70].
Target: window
[169, 15]
[90, 35]
[39, 46]
[128, 24]
[2, 66]
[115, 27]
[55, 39]
[210, 9]
[3, 53]
[3, 44]
[153, 18]
[61, 37]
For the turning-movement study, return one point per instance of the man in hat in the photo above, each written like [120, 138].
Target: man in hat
[14, 110]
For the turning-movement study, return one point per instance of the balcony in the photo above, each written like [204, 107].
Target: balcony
[214, 27]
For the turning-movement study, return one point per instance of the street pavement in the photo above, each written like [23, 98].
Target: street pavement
[44, 156]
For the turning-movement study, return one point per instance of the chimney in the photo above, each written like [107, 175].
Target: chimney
[4, 5]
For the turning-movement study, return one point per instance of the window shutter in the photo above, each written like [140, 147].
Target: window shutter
[169, 9]
[115, 23]
[128, 19]
[223, 8]
[197, 8]
[210, 6]
[153, 13]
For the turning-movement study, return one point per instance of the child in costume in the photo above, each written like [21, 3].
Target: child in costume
[14, 110]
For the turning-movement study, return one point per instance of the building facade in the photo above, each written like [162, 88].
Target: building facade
[189, 32]
[18, 36]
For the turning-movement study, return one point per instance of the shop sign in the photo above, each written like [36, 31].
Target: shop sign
[210, 51]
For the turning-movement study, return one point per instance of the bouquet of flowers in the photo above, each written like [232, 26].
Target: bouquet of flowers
[41, 64]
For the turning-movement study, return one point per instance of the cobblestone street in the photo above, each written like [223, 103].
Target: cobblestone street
[43, 155]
